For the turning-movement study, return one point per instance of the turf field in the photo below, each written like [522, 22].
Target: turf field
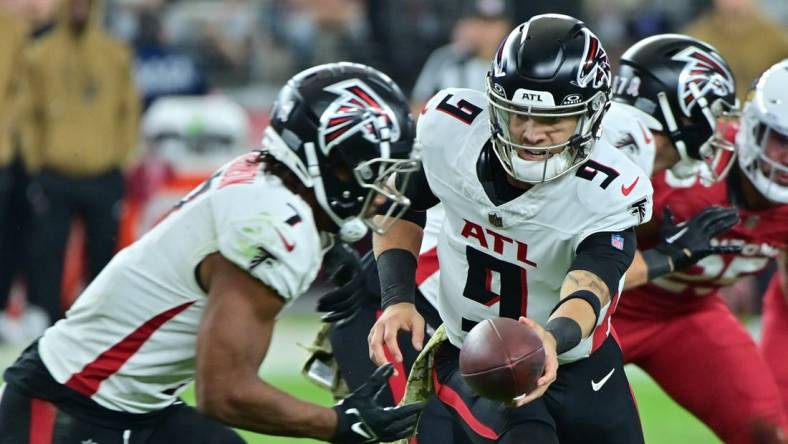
[663, 420]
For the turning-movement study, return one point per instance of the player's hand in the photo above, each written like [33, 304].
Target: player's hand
[402, 316]
[688, 242]
[361, 420]
[550, 363]
[343, 266]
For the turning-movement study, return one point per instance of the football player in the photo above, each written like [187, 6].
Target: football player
[539, 223]
[763, 144]
[677, 328]
[694, 146]
[196, 298]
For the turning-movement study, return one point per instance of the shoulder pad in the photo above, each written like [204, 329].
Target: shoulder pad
[619, 187]
[622, 129]
[269, 233]
[448, 113]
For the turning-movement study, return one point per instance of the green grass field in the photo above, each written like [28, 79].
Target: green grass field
[664, 421]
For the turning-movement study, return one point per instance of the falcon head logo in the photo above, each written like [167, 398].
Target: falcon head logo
[704, 74]
[595, 68]
[357, 109]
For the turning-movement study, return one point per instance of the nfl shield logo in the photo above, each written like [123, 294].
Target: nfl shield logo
[495, 218]
[617, 241]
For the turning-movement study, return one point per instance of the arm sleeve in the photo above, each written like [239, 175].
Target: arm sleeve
[606, 254]
[255, 236]
[419, 192]
[421, 198]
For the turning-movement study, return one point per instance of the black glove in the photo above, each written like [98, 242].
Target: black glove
[361, 420]
[684, 244]
[344, 269]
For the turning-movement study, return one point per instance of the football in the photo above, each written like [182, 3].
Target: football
[501, 359]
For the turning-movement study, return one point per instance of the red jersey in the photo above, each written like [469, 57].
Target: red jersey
[762, 234]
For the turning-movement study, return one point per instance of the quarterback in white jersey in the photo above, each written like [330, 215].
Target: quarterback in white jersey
[538, 226]
[524, 246]
[196, 298]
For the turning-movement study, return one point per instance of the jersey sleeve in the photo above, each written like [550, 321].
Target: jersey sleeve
[269, 237]
[626, 202]
[625, 132]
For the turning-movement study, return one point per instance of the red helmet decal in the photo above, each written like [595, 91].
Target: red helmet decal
[595, 68]
[704, 73]
[357, 109]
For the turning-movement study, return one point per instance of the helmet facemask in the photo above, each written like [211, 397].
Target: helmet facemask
[352, 202]
[560, 158]
[764, 171]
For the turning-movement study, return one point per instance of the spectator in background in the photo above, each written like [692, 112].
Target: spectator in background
[746, 38]
[13, 38]
[464, 62]
[80, 129]
[160, 69]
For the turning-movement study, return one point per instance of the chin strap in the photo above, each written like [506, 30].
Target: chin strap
[351, 229]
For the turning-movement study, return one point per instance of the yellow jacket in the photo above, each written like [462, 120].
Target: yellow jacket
[13, 37]
[82, 108]
[750, 43]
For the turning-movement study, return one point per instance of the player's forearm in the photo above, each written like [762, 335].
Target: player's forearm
[637, 273]
[576, 308]
[259, 407]
[403, 234]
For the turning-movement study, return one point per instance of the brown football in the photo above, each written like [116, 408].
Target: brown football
[501, 359]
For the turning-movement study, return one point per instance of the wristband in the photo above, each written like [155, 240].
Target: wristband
[567, 333]
[397, 270]
[586, 295]
[658, 264]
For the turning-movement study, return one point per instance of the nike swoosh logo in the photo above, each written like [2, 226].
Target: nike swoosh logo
[627, 190]
[646, 133]
[359, 429]
[671, 239]
[596, 386]
[288, 246]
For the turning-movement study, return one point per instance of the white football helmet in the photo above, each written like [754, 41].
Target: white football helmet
[763, 138]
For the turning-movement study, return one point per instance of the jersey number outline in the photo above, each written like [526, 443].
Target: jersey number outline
[463, 111]
[488, 274]
[590, 168]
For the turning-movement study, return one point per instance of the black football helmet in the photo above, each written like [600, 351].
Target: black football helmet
[550, 66]
[344, 129]
[684, 88]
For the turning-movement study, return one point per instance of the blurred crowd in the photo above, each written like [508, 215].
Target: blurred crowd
[110, 110]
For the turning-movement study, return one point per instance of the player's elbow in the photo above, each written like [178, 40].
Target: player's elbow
[217, 402]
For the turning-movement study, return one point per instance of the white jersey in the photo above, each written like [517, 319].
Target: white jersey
[511, 259]
[129, 341]
[622, 129]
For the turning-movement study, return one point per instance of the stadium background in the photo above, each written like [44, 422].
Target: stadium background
[243, 50]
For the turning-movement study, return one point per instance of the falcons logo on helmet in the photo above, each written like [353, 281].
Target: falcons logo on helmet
[595, 68]
[703, 74]
[357, 109]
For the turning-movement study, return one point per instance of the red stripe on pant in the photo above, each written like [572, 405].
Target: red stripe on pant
[42, 421]
[106, 364]
[601, 331]
[454, 400]
[398, 382]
